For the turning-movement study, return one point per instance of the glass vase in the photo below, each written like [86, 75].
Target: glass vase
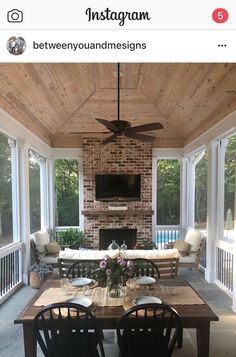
[115, 286]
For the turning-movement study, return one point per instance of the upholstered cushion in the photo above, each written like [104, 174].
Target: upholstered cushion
[126, 254]
[149, 254]
[88, 254]
[48, 259]
[187, 259]
[41, 239]
[53, 247]
[182, 246]
[194, 238]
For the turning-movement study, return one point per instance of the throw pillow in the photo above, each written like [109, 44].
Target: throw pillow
[41, 239]
[53, 247]
[183, 247]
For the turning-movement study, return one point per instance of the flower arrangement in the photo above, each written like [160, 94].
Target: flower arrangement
[112, 271]
[38, 273]
[42, 269]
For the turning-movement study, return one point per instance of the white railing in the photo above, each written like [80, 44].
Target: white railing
[224, 265]
[10, 269]
[167, 234]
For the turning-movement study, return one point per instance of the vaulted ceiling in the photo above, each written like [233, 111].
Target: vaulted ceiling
[55, 100]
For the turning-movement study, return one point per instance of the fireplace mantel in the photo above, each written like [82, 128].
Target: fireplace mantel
[138, 212]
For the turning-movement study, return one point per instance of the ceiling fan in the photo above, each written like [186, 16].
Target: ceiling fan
[122, 127]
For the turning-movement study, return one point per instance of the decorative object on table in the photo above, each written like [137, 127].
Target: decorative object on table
[81, 300]
[145, 280]
[145, 283]
[146, 300]
[72, 237]
[123, 246]
[113, 271]
[64, 284]
[146, 244]
[38, 273]
[113, 245]
[81, 281]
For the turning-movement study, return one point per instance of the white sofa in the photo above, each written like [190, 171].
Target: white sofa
[41, 239]
[126, 254]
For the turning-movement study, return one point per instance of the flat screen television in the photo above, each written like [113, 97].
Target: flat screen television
[117, 187]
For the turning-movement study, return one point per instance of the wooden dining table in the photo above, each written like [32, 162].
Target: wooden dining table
[195, 314]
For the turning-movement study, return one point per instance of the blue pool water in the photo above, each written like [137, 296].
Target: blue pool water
[166, 236]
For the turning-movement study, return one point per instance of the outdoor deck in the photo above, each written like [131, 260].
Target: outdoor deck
[222, 343]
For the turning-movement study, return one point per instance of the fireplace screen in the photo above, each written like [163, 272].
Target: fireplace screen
[106, 236]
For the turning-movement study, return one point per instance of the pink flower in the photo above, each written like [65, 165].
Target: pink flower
[130, 264]
[130, 272]
[103, 264]
[108, 271]
[121, 261]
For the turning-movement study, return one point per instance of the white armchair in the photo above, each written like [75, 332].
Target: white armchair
[196, 244]
[190, 249]
[43, 250]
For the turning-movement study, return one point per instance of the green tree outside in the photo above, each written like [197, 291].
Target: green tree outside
[6, 231]
[168, 192]
[67, 192]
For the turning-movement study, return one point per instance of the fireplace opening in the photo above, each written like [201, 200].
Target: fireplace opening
[106, 236]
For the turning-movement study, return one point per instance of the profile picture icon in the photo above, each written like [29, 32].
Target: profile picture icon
[16, 45]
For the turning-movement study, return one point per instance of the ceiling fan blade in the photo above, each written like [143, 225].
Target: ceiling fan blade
[110, 139]
[140, 136]
[108, 124]
[146, 127]
[88, 132]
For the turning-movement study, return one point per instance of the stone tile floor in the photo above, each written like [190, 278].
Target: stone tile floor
[223, 333]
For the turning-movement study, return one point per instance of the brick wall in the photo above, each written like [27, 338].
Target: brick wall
[125, 156]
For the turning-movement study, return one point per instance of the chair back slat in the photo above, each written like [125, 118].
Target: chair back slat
[66, 329]
[168, 268]
[145, 267]
[76, 268]
[148, 330]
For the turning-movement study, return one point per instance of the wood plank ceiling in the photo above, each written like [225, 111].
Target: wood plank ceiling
[55, 100]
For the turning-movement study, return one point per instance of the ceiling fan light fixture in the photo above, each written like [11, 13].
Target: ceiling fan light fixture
[123, 127]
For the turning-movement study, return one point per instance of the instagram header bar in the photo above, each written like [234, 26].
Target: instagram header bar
[89, 15]
[167, 31]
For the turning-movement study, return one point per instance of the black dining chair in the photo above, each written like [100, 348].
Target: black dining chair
[84, 268]
[68, 330]
[148, 330]
[69, 268]
[145, 267]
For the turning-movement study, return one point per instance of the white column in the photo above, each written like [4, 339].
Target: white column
[24, 206]
[234, 268]
[190, 192]
[15, 195]
[221, 187]
[81, 194]
[51, 194]
[212, 184]
[184, 197]
[43, 193]
[154, 195]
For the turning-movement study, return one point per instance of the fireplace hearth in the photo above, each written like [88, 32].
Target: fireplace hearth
[106, 236]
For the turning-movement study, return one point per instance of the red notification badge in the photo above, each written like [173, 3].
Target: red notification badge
[220, 15]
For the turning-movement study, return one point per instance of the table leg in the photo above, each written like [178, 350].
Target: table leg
[29, 341]
[203, 339]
